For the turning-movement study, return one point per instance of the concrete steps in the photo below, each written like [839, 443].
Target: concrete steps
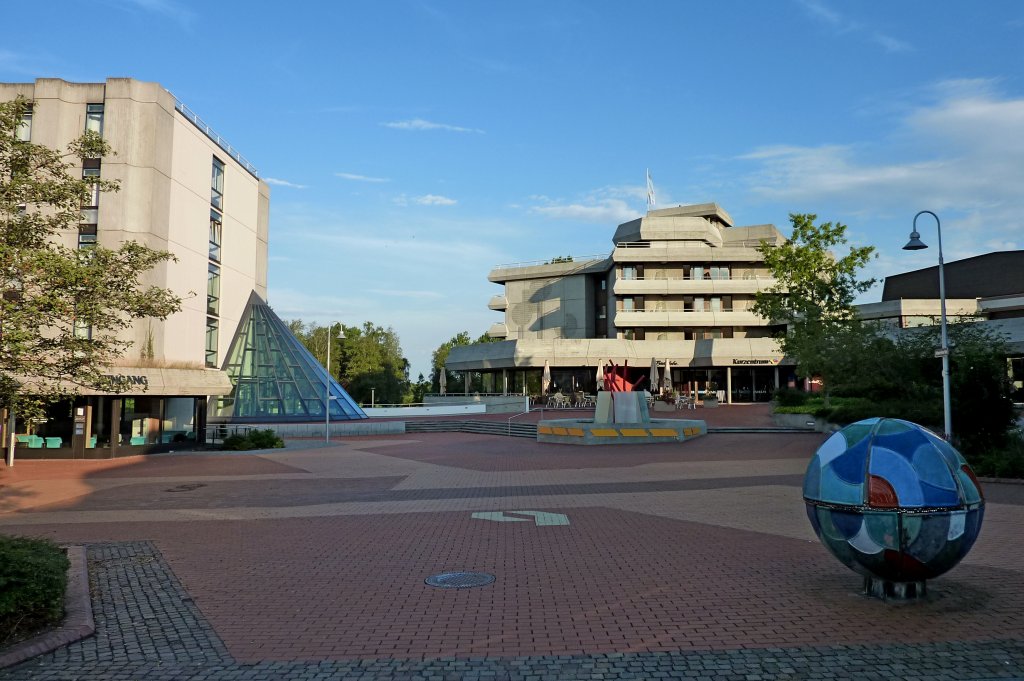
[484, 427]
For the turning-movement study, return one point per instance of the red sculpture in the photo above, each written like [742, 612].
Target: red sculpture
[615, 379]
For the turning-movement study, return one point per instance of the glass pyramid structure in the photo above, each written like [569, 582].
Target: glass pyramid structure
[275, 378]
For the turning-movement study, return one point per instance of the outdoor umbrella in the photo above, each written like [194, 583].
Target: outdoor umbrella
[666, 379]
[600, 375]
[545, 378]
[442, 380]
[652, 383]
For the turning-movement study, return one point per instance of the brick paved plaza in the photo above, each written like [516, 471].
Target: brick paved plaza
[690, 560]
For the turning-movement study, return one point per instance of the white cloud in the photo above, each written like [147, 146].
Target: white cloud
[842, 24]
[420, 124]
[604, 211]
[283, 183]
[167, 8]
[961, 155]
[361, 178]
[425, 200]
[434, 200]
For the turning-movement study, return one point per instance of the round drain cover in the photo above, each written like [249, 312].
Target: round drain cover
[459, 580]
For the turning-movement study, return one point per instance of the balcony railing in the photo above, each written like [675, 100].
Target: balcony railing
[745, 277]
[212, 134]
[743, 243]
[576, 260]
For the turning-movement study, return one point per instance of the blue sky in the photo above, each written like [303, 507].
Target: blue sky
[411, 146]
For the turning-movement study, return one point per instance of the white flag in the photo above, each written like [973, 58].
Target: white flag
[650, 191]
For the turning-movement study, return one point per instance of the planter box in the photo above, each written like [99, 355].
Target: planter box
[663, 406]
[710, 402]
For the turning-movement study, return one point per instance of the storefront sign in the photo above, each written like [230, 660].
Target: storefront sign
[119, 382]
[755, 361]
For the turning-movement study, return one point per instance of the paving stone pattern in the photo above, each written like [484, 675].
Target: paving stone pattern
[148, 628]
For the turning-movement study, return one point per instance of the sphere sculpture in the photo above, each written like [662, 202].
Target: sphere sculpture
[894, 503]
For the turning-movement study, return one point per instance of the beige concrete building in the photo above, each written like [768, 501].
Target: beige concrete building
[677, 288]
[184, 190]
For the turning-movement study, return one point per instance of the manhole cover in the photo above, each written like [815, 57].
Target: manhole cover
[459, 580]
[187, 487]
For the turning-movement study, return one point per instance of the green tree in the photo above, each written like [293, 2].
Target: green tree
[61, 309]
[813, 294]
[371, 364]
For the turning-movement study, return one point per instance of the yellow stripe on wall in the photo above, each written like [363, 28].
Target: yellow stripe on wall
[604, 432]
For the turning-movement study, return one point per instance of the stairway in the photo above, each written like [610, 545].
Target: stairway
[484, 427]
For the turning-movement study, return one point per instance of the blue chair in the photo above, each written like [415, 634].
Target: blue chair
[35, 442]
[92, 442]
[54, 443]
[138, 440]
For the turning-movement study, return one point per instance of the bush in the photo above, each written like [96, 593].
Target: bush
[1007, 462]
[256, 439]
[33, 578]
[790, 397]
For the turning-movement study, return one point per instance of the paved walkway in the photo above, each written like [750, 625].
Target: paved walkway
[690, 560]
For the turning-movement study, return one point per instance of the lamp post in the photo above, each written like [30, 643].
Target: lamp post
[327, 382]
[915, 244]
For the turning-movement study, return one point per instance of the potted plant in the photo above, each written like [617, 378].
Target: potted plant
[711, 396]
[666, 402]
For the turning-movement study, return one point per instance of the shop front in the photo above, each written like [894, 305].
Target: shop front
[147, 410]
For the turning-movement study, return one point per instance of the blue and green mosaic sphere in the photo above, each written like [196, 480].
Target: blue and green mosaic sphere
[892, 501]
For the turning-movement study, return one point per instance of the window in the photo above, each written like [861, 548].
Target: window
[720, 272]
[628, 272]
[94, 118]
[697, 272]
[217, 184]
[86, 236]
[24, 129]
[211, 341]
[82, 329]
[90, 209]
[213, 290]
[603, 312]
[627, 304]
[216, 228]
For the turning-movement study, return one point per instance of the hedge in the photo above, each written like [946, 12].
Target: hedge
[33, 578]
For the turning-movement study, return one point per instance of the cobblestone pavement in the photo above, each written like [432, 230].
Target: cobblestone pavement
[687, 562]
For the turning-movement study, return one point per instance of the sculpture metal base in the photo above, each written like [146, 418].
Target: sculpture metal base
[623, 420]
[899, 591]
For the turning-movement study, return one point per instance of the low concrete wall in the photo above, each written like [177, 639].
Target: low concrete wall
[804, 421]
[495, 404]
[433, 410]
[340, 428]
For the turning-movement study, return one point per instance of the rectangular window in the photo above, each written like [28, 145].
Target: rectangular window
[24, 130]
[90, 209]
[727, 303]
[86, 236]
[213, 290]
[716, 304]
[697, 272]
[627, 304]
[82, 330]
[217, 184]
[216, 229]
[211, 341]
[94, 118]
[628, 272]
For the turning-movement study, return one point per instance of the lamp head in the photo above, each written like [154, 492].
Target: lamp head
[915, 243]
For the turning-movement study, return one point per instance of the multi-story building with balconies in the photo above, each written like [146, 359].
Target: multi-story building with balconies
[185, 190]
[678, 288]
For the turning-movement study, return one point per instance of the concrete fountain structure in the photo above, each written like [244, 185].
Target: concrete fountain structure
[621, 417]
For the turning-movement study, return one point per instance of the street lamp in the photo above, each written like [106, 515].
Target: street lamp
[327, 381]
[915, 244]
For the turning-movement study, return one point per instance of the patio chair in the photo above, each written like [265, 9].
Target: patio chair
[54, 443]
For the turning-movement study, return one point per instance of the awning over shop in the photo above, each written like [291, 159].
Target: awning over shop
[591, 352]
[129, 380]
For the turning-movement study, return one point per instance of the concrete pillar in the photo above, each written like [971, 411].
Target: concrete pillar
[728, 385]
[504, 381]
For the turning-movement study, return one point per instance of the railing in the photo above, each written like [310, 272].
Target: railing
[576, 260]
[514, 416]
[212, 134]
[743, 243]
[745, 277]
[219, 431]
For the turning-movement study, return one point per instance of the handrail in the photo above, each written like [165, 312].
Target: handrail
[195, 120]
[520, 414]
[745, 277]
[576, 260]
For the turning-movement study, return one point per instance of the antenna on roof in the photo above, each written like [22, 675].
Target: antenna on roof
[650, 191]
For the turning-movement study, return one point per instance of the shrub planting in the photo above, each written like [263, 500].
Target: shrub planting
[33, 578]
